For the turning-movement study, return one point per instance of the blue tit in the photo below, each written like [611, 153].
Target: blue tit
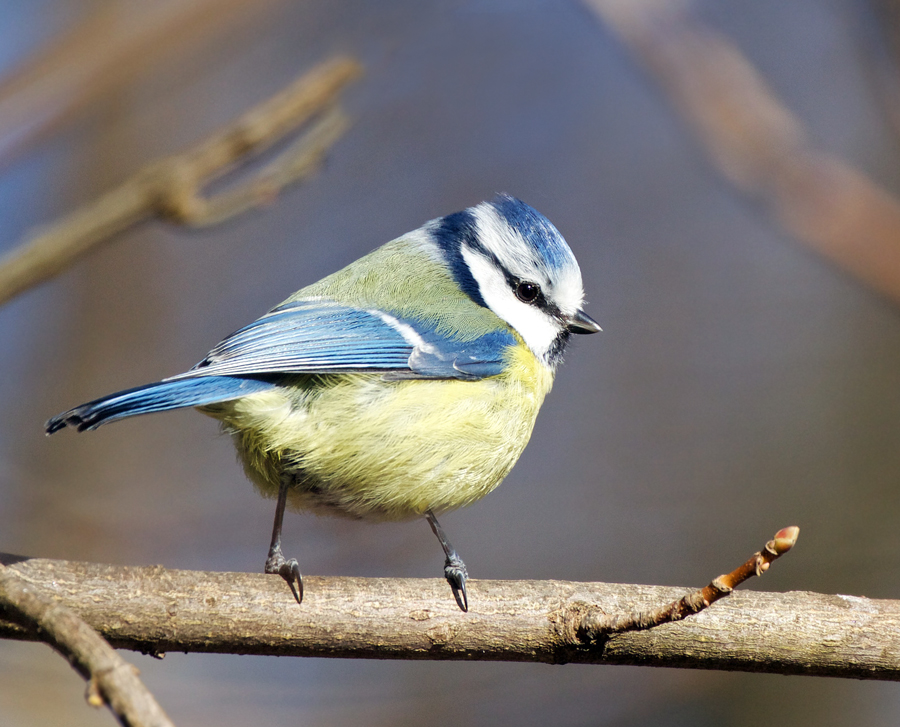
[404, 385]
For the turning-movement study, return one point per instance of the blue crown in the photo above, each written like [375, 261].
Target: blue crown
[535, 229]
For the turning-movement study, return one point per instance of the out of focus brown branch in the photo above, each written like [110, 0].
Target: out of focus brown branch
[758, 144]
[104, 51]
[172, 187]
[880, 27]
[595, 624]
[155, 610]
[111, 680]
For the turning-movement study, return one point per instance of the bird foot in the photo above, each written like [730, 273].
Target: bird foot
[456, 574]
[277, 564]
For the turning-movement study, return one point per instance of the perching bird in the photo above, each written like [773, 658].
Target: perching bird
[404, 385]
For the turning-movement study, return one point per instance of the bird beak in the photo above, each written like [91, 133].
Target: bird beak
[581, 322]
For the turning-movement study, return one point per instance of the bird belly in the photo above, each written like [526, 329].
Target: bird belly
[366, 447]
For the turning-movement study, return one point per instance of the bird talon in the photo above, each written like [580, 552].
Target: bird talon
[456, 574]
[277, 564]
[454, 569]
[290, 571]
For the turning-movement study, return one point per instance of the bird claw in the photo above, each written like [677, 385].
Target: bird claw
[277, 564]
[456, 574]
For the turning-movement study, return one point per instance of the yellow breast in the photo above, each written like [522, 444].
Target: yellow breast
[362, 446]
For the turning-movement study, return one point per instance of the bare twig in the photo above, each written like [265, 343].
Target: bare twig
[155, 610]
[598, 625]
[298, 161]
[758, 144]
[172, 187]
[111, 680]
[103, 52]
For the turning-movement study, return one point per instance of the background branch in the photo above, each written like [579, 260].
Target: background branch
[155, 610]
[110, 48]
[172, 187]
[758, 144]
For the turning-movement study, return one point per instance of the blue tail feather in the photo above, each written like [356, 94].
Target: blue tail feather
[160, 396]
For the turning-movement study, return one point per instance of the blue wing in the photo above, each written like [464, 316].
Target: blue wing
[303, 337]
[321, 336]
[159, 396]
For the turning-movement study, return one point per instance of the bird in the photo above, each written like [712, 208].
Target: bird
[404, 385]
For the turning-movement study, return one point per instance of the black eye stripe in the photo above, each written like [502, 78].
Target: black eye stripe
[538, 301]
[535, 297]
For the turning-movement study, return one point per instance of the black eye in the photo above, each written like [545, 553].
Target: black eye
[527, 292]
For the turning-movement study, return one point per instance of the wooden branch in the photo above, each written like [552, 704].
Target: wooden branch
[104, 50]
[596, 625]
[155, 610]
[172, 187]
[111, 680]
[758, 144]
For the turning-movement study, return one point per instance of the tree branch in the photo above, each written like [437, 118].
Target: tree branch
[758, 144]
[155, 610]
[595, 624]
[172, 187]
[111, 680]
[104, 50]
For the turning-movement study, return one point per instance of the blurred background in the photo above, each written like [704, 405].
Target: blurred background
[742, 383]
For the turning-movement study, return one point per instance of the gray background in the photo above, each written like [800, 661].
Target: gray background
[741, 384]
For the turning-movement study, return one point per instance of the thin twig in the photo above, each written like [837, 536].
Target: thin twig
[172, 187]
[111, 680]
[105, 49]
[298, 161]
[596, 625]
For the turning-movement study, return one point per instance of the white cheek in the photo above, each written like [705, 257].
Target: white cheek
[537, 329]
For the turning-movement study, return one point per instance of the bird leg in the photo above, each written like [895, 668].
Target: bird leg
[276, 562]
[454, 569]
